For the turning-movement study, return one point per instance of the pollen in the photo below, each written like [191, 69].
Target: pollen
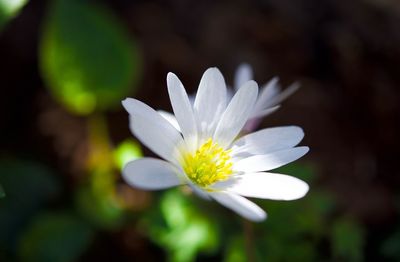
[210, 163]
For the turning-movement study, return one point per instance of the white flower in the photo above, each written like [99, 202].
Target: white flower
[268, 100]
[205, 153]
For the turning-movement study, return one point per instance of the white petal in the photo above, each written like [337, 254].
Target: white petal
[236, 114]
[182, 109]
[170, 118]
[210, 102]
[240, 205]
[263, 112]
[278, 98]
[151, 174]
[243, 74]
[267, 93]
[270, 161]
[269, 186]
[268, 140]
[153, 130]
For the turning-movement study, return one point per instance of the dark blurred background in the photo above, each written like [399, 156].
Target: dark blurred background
[66, 65]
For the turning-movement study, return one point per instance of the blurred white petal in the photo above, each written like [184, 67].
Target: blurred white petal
[267, 93]
[278, 98]
[243, 74]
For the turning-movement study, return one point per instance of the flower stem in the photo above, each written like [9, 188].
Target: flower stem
[248, 231]
[99, 143]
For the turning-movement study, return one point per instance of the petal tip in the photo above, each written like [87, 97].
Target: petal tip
[172, 81]
[299, 191]
[262, 216]
[306, 189]
[302, 192]
[171, 76]
[306, 149]
[245, 66]
[214, 71]
[126, 103]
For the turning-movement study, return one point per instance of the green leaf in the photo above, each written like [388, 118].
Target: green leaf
[9, 9]
[55, 237]
[29, 186]
[87, 59]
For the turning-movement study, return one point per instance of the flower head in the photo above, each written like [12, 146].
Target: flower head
[203, 150]
[268, 100]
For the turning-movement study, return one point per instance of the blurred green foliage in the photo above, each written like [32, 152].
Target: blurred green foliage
[293, 230]
[347, 240]
[390, 248]
[180, 227]
[31, 232]
[29, 229]
[87, 59]
[186, 227]
[9, 9]
[189, 228]
[96, 198]
[29, 186]
[2, 193]
[125, 152]
[58, 237]
[97, 202]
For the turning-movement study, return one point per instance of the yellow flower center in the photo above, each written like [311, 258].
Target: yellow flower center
[209, 164]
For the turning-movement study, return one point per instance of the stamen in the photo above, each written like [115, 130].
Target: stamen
[209, 164]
